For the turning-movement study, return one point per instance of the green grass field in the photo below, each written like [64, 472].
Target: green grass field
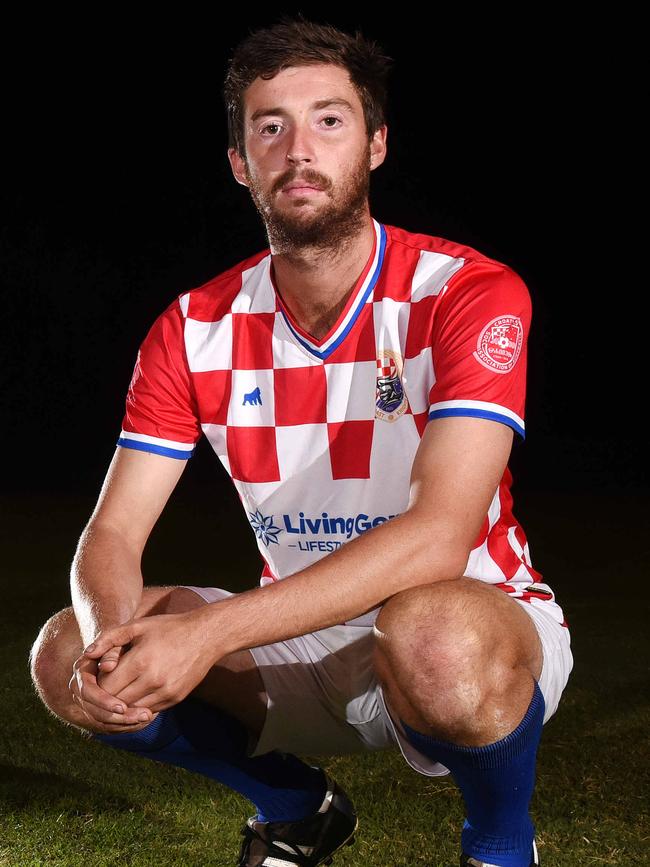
[68, 801]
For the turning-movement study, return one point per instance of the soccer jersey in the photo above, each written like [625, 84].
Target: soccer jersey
[319, 436]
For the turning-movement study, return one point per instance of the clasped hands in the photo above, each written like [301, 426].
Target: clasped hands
[131, 672]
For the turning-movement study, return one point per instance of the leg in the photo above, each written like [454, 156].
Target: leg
[459, 662]
[209, 732]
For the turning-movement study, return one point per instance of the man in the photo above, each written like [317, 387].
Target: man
[362, 385]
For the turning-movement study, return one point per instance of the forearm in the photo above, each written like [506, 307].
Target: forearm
[105, 580]
[404, 552]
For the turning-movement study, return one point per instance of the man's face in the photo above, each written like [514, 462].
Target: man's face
[307, 125]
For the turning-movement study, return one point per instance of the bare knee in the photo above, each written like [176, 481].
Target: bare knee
[456, 624]
[456, 650]
[433, 637]
[52, 655]
[433, 622]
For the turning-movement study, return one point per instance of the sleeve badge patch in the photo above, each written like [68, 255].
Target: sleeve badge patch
[499, 343]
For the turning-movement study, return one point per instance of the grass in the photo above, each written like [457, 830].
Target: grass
[69, 801]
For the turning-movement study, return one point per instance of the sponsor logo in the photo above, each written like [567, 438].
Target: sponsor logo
[264, 528]
[302, 527]
[253, 398]
[390, 401]
[499, 343]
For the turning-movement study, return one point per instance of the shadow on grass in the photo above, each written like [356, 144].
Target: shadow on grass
[26, 788]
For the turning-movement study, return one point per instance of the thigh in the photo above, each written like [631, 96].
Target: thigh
[555, 640]
[322, 694]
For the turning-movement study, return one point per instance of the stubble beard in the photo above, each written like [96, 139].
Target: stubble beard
[328, 226]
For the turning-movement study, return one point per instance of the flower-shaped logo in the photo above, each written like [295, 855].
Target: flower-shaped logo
[264, 527]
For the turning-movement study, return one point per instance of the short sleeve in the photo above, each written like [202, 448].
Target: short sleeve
[161, 413]
[479, 343]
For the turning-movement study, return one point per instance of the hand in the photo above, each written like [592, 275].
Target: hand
[165, 661]
[104, 711]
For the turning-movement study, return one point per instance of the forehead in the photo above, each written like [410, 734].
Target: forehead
[298, 87]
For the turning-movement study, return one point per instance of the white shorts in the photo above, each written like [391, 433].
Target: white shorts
[324, 697]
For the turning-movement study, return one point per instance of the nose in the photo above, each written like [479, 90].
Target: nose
[299, 145]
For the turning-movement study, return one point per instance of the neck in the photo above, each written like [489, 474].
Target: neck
[315, 284]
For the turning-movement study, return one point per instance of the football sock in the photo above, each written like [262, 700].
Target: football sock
[496, 782]
[204, 739]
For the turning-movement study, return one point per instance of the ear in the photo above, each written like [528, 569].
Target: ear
[238, 166]
[378, 147]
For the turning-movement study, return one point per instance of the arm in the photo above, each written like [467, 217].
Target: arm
[159, 430]
[106, 579]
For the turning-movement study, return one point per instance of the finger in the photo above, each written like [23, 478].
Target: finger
[90, 692]
[110, 728]
[83, 684]
[116, 637]
[131, 717]
[128, 672]
[137, 693]
[154, 702]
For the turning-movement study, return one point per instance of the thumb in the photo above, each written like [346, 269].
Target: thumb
[109, 660]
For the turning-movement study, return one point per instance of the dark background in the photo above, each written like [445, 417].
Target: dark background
[120, 197]
[517, 136]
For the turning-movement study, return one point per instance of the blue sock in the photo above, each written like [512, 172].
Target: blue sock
[497, 782]
[204, 739]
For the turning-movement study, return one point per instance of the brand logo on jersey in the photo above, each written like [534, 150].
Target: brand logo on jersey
[332, 525]
[390, 401]
[499, 344]
[264, 528]
[321, 525]
[253, 398]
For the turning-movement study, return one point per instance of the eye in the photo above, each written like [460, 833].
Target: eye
[331, 117]
[274, 125]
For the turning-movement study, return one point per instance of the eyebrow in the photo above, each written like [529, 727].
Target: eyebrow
[321, 103]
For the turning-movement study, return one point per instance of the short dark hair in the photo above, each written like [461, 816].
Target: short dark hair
[299, 42]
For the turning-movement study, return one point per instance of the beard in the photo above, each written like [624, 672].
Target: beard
[328, 225]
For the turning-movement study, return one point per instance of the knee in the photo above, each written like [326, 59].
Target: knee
[455, 658]
[429, 616]
[437, 635]
[51, 657]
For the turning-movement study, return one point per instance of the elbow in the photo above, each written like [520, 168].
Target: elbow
[448, 567]
[441, 554]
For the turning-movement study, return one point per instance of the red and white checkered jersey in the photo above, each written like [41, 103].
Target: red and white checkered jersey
[319, 436]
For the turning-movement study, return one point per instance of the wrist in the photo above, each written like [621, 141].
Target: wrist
[217, 629]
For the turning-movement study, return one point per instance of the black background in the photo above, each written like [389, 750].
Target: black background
[120, 197]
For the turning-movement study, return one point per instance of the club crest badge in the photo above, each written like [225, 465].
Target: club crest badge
[391, 401]
[499, 343]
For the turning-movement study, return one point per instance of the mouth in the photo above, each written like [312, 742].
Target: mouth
[294, 192]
